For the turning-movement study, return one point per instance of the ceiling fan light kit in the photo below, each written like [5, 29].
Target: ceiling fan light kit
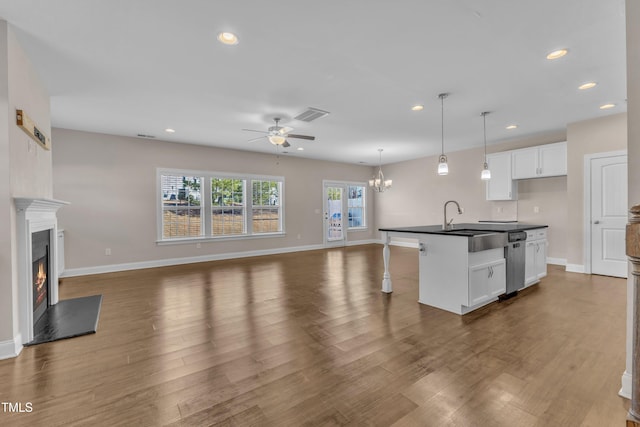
[277, 139]
[277, 135]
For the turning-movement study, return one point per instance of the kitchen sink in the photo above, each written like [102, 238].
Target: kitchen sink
[484, 241]
[481, 240]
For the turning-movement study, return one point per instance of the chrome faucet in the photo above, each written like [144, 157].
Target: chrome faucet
[448, 225]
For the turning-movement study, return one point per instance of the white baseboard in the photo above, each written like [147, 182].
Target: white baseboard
[404, 244]
[625, 391]
[363, 242]
[575, 268]
[112, 268]
[11, 348]
[556, 261]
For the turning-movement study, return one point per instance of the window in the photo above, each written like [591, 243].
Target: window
[266, 206]
[356, 206]
[181, 209]
[183, 194]
[227, 207]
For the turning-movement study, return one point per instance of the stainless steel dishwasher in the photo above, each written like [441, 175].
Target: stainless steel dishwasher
[514, 253]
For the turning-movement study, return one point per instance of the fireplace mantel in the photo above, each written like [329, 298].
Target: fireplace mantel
[38, 205]
[34, 215]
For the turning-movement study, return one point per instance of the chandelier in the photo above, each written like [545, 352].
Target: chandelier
[378, 183]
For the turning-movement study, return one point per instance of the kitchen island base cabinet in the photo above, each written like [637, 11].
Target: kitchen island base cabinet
[535, 267]
[486, 282]
[456, 280]
[460, 269]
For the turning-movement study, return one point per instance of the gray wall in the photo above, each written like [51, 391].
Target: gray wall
[110, 182]
[24, 165]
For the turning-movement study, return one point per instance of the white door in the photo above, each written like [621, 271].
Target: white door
[608, 215]
[335, 207]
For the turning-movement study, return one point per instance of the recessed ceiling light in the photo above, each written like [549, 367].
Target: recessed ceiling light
[607, 106]
[512, 127]
[300, 149]
[228, 38]
[587, 85]
[169, 130]
[557, 54]
[417, 107]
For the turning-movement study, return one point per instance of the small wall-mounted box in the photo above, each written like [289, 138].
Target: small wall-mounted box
[30, 128]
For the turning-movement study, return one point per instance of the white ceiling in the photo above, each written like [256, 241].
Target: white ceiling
[129, 67]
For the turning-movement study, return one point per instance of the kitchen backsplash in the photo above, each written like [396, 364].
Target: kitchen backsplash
[504, 211]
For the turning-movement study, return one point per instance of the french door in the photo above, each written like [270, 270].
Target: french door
[335, 218]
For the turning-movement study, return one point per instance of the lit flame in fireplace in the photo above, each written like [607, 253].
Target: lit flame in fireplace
[41, 277]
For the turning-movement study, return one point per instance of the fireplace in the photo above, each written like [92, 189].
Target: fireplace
[40, 261]
[37, 229]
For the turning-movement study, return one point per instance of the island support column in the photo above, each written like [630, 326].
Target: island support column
[386, 253]
[633, 252]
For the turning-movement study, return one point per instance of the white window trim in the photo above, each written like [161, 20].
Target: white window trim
[365, 217]
[205, 205]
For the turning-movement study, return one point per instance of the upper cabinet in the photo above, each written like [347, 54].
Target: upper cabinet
[534, 162]
[501, 186]
[540, 161]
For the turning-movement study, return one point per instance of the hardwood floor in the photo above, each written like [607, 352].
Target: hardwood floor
[308, 339]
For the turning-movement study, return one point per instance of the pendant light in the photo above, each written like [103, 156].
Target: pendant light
[443, 168]
[378, 183]
[486, 173]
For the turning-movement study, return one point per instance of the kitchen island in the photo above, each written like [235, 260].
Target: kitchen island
[461, 269]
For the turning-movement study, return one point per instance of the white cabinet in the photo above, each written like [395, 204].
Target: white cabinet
[553, 159]
[530, 275]
[535, 267]
[540, 161]
[486, 282]
[456, 280]
[501, 186]
[534, 162]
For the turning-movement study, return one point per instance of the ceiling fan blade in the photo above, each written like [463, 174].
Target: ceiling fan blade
[286, 144]
[310, 138]
[285, 130]
[256, 139]
[253, 130]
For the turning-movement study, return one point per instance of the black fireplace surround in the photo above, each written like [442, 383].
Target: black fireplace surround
[40, 256]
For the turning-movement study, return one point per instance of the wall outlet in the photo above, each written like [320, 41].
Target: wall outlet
[299, 236]
[198, 245]
[536, 209]
[107, 251]
[499, 209]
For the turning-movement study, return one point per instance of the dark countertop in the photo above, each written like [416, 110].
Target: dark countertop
[437, 229]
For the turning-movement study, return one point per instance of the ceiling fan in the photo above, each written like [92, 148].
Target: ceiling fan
[277, 135]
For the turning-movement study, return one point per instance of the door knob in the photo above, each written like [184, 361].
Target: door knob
[596, 222]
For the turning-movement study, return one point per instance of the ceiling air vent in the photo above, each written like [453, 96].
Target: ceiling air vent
[142, 135]
[310, 114]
